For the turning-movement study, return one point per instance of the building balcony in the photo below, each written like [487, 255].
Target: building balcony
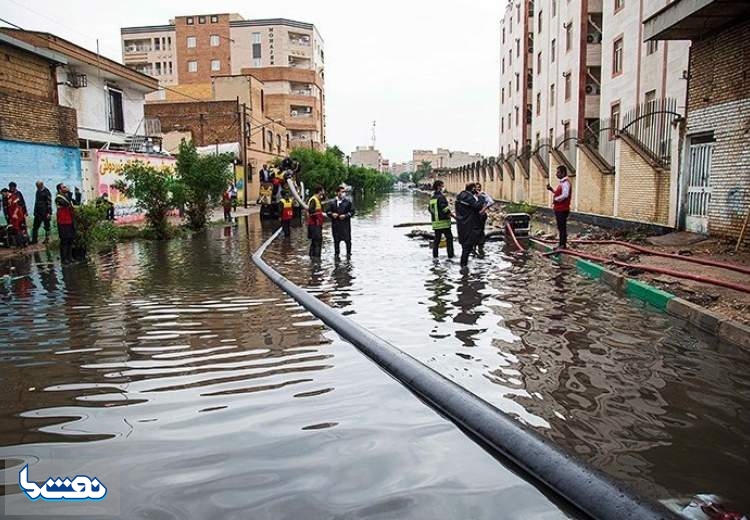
[300, 112]
[135, 57]
[591, 109]
[593, 54]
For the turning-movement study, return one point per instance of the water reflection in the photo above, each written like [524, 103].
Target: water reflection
[212, 394]
[637, 393]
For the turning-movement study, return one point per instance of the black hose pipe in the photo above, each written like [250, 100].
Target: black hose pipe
[586, 488]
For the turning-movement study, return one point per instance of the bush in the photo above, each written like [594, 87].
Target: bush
[156, 191]
[93, 231]
[520, 207]
[203, 179]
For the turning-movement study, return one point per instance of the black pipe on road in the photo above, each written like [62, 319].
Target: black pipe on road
[587, 489]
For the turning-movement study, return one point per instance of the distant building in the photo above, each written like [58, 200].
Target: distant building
[367, 156]
[399, 168]
[444, 158]
[286, 55]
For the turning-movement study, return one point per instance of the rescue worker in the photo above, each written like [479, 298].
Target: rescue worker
[315, 217]
[42, 212]
[286, 207]
[65, 225]
[487, 201]
[226, 204]
[441, 215]
[341, 211]
[562, 195]
[469, 210]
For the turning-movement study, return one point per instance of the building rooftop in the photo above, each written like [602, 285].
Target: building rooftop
[694, 19]
[235, 21]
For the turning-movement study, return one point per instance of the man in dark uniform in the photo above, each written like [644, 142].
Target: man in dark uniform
[441, 215]
[42, 212]
[469, 210]
[341, 211]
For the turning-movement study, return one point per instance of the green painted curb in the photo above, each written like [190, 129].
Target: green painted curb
[589, 269]
[647, 293]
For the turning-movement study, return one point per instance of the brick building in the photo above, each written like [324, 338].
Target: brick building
[237, 111]
[38, 138]
[714, 192]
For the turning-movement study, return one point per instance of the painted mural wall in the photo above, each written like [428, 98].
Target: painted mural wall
[109, 165]
[25, 163]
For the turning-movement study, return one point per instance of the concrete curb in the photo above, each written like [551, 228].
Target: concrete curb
[725, 329]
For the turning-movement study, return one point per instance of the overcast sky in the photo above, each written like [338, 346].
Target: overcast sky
[426, 71]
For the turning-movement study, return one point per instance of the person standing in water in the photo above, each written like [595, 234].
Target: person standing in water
[469, 210]
[562, 196]
[440, 213]
[315, 217]
[341, 211]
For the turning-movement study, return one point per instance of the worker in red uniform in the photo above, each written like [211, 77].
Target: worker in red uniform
[562, 195]
[65, 225]
[286, 207]
[315, 218]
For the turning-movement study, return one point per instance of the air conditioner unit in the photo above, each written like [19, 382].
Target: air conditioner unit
[294, 113]
[590, 38]
[590, 89]
[85, 155]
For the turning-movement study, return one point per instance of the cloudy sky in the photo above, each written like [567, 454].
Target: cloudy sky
[426, 71]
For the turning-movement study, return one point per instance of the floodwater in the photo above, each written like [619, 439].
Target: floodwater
[216, 396]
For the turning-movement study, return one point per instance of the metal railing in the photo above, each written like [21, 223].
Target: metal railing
[542, 151]
[650, 126]
[566, 145]
[601, 138]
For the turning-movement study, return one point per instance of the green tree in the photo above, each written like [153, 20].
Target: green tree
[405, 177]
[155, 190]
[424, 170]
[202, 178]
[318, 168]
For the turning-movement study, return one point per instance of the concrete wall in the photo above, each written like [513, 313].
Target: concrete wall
[26, 163]
[538, 179]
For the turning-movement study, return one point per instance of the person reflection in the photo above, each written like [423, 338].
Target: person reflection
[440, 287]
[469, 304]
[46, 269]
[342, 280]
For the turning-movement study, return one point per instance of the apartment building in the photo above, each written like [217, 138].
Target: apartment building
[516, 51]
[367, 156]
[444, 158]
[286, 55]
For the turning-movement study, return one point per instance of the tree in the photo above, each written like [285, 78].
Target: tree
[405, 177]
[424, 170]
[203, 179]
[153, 190]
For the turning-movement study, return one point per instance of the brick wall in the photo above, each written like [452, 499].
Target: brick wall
[203, 52]
[643, 192]
[37, 121]
[719, 68]
[25, 74]
[719, 102]
[595, 192]
[208, 122]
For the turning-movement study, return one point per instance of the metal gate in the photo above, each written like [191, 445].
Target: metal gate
[698, 187]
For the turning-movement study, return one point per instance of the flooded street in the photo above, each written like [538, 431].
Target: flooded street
[215, 395]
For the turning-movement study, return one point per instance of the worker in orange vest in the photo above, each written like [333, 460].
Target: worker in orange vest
[562, 195]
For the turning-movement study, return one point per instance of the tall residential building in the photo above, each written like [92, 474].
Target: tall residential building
[286, 55]
[516, 50]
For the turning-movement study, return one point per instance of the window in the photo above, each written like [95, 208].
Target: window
[651, 47]
[538, 139]
[552, 95]
[278, 142]
[215, 65]
[502, 67]
[510, 57]
[614, 119]
[552, 50]
[650, 100]
[114, 110]
[191, 42]
[189, 20]
[539, 23]
[554, 7]
[503, 35]
[619, 4]
[568, 36]
[539, 63]
[169, 43]
[502, 95]
[516, 116]
[518, 13]
[510, 25]
[518, 82]
[566, 134]
[214, 40]
[201, 19]
[256, 37]
[192, 66]
[518, 47]
[568, 82]
[502, 124]
[617, 57]
[256, 62]
[509, 125]
[157, 44]
[214, 18]
[269, 139]
[170, 67]
[538, 104]
[158, 68]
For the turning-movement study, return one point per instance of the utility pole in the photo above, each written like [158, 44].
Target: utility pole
[373, 135]
[242, 136]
